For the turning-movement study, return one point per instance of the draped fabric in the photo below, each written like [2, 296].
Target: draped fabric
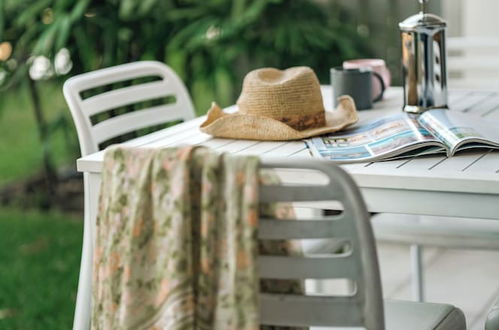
[176, 241]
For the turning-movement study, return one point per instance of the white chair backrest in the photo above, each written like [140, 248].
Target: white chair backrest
[166, 85]
[359, 263]
[473, 62]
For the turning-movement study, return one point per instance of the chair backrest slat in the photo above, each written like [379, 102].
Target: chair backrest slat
[294, 310]
[119, 73]
[297, 193]
[166, 87]
[133, 121]
[125, 96]
[296, 229]
[310, 267]
[356, 261]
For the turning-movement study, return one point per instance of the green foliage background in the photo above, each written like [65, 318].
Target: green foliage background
[210, 44]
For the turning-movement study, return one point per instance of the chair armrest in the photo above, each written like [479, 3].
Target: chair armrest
[492, 322]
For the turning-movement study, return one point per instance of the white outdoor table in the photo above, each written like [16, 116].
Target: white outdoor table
[466, 185]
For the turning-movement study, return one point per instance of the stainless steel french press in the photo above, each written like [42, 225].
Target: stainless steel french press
[424, 69]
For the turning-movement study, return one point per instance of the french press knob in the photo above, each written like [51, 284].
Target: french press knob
[424, 70]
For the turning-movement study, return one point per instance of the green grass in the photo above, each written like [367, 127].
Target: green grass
[39, 266]
[20, 148]
[39, 252]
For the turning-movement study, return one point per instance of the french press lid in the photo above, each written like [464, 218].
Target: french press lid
[422, 20]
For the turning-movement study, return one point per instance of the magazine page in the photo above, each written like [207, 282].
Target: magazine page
[396, 136]
[460, 131]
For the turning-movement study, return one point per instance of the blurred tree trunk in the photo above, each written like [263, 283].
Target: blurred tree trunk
[41, 123]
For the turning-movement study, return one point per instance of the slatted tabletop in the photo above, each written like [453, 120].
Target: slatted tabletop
[464, 185]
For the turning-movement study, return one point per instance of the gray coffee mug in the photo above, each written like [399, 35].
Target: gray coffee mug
[358, 84]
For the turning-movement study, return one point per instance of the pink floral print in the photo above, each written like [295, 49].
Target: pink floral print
[176, 241]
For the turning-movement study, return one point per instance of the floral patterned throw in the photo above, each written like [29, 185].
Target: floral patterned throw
[176, 241]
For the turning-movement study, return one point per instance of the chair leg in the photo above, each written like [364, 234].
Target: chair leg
[82, 309]
[417, 274]
[83, 298]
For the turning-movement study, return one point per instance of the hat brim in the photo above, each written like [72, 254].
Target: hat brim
[250, 127]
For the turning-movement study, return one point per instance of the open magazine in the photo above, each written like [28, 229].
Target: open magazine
[402, 135]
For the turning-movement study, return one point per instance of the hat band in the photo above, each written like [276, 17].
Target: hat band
[303, 122]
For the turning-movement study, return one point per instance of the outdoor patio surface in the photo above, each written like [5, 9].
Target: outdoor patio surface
[467, 279]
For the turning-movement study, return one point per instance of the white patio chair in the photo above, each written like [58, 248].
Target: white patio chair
[473, 62]
[166, 84]
[364, 307]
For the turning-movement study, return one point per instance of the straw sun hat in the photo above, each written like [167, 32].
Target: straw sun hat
[280, 105]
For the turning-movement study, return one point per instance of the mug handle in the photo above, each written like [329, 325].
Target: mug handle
[383, 87]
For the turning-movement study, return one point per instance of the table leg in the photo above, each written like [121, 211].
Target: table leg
[417, 273]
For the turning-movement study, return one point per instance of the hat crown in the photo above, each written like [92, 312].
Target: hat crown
[292, 96]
